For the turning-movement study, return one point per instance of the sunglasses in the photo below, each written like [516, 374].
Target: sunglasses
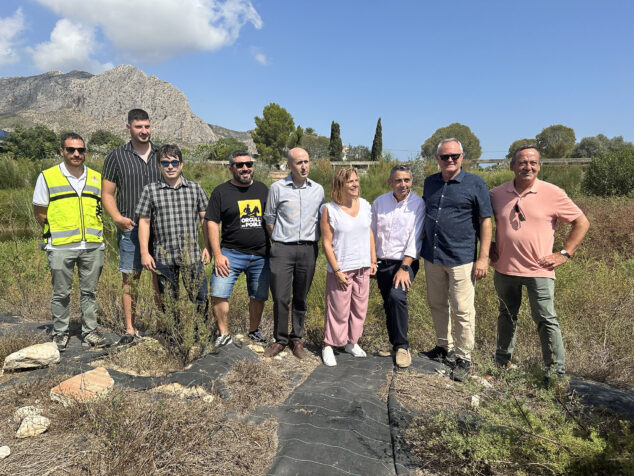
[174, 163]
[239, 165]
[519, 212]
[71, 150]
[446, 157]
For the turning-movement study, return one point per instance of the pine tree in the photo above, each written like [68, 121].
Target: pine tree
[377, 144]
[335, 148]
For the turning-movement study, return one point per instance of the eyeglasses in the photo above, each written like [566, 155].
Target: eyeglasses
[518, 210]
[239, 165]
[174, 163]
[446, 157]
[71, 150]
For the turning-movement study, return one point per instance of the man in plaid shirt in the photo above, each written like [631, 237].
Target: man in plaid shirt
[174, 206]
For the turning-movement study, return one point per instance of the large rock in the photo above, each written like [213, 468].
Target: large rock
[32, 357]
[83, 387]
[23, 412]
[83, 103]
[4, 452]
[33, 425]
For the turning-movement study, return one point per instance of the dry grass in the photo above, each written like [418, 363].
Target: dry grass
[148, 359]
[13, 341]
[135, 433]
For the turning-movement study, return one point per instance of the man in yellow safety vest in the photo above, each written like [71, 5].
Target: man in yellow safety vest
[67, 204]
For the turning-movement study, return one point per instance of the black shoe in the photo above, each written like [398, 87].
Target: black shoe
[439, 354]
[461, 371]
[126, 339]
[257, 337]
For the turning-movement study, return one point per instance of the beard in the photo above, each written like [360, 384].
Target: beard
[244, 178]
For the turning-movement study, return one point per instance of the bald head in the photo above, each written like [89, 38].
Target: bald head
[299, 165]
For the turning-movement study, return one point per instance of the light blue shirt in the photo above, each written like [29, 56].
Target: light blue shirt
[294, 211]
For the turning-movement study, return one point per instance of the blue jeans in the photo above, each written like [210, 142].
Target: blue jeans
[194, 280]
[541, 294]
[256, 269]
[129, 251]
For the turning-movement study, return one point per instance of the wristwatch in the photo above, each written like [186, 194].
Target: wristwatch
[404, 267]
[566, 254]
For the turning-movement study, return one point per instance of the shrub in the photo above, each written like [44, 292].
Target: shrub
[611, 174]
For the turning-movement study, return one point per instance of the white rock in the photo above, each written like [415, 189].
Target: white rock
[482, 381]
[256, 348]
[32, 357]
[278, 357]
[475, 401]
[208, 398]
[283, 353]
[21, 413]
[4, 452]
[239, 336]
[33, 425]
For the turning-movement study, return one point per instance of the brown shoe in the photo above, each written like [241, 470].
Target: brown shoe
[273, 350]
[298, 350]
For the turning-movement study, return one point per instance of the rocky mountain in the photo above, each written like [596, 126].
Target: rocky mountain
[83, 103]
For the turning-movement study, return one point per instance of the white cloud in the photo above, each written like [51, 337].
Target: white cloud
[10, 28]
[153, 31]
[71, 47]
[261, 58]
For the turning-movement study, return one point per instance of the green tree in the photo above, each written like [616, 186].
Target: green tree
[611, 174]
[598, 145]
[222, 148]
[517, 144]
[556, 141]
[335, 148]
[104, 139]
[470, 143]
[309, 131]
[36, 143]
[315, 145]
[272, 132]
[359, 153]
[377, 143]
[296, 138]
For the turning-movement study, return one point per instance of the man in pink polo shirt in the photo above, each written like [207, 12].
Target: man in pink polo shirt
[526, 211]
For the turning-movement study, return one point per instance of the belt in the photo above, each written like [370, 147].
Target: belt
[300, 242]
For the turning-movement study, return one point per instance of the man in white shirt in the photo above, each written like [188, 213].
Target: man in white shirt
[397, 221]
[67, 204]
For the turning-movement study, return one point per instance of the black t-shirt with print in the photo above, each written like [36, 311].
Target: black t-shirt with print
[239, 210]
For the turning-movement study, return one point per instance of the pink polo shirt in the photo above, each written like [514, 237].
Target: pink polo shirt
[521, 243]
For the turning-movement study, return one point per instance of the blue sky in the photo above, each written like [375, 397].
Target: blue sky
[507, 69]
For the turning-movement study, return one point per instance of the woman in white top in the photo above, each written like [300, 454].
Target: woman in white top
[349, 248]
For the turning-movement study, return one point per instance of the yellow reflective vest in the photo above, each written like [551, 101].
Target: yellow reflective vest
[70, 217]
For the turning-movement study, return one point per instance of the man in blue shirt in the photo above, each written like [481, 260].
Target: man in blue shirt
[458, 212]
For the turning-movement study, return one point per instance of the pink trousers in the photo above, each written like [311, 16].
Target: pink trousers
[346, 310]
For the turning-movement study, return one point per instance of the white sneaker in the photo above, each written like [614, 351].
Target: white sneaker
[355, 350]
[328, 356]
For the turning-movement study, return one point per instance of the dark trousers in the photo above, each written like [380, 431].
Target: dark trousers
[395, 301]
[194, 280]
[292, 268]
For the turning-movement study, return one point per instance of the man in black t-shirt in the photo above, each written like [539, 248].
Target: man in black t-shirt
[238, 206]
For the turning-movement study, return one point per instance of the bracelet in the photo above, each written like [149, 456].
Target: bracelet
[373, 263]
[337, 270]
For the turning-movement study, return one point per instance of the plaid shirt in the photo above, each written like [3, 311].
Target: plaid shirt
[174, 216]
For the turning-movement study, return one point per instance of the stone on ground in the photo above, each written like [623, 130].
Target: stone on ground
[4, 452]
[258, 349]
[83, 387]
[184, 392]
[33, 425]
[23, 412]
[32, 357]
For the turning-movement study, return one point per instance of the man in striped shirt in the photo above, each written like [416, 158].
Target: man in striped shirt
[127, 170]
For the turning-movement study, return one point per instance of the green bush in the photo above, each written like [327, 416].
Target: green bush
[567, 177]
[611, 174]
[36, 143]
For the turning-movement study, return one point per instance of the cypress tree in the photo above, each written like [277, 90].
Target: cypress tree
[377, 144]
[335, 148]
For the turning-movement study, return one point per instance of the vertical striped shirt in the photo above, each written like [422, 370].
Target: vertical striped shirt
[130, 173]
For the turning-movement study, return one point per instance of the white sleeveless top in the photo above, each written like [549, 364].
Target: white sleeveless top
[351, 236]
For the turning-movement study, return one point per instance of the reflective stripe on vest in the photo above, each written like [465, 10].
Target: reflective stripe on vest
[70, 217]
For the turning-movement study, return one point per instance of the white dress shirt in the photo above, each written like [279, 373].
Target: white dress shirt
[398, 226]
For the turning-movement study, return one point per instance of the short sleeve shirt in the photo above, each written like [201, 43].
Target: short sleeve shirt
[452, 218]
[520, 243]
[240, 211]
[131, 174]
[174, 217]
[351, 236]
